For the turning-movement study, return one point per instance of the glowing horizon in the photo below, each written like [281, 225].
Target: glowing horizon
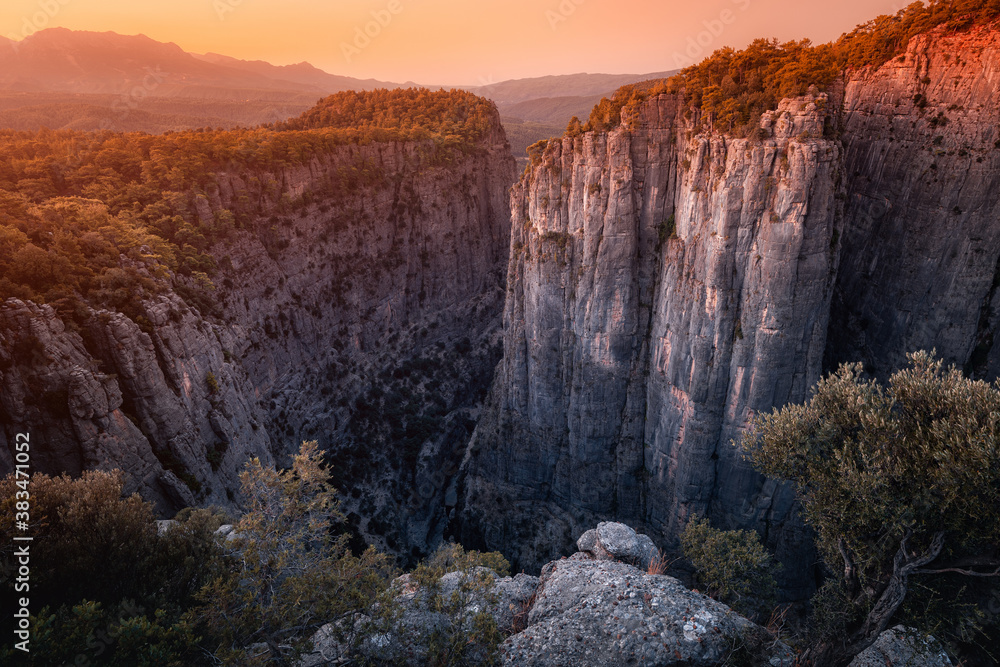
[445, 42]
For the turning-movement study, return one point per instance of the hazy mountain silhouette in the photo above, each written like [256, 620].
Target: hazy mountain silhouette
[60, 78]
[301, 73]
[62, 60]
[514, 91]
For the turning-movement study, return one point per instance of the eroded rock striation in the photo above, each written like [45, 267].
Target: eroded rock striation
[361, 308]
[663, 285]
[667, 281]
[920, 244]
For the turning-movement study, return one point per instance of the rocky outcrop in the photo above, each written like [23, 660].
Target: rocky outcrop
[616, 541]
[598, 613]
[424, 616]
[663, 285]
[359, 306]
[903, 646]
[584, 610]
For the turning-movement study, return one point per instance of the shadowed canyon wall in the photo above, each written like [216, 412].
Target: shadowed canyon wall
[362, 310]
[666, 282]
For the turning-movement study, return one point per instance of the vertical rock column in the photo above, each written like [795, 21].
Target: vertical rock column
[663, 284]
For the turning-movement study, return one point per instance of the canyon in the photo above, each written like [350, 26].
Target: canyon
[369, 322]
[510, 370]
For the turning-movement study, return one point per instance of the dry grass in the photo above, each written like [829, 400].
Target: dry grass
[659, 564]
[520, 622]
[779, 616]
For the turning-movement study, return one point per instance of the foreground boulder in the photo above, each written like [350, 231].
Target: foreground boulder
[616, 541]
[904, 647]
[601, 612]
[595, 608]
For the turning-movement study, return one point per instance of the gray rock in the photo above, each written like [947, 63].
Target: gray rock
[903, 647]
[405, 642]
[513, 599]
[616, 541]
[919, 258]
[163, 526]
[664, 285]
[590, 612]
[228, 532]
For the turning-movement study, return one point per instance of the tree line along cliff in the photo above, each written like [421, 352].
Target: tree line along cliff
[670, 278]
[175, 304]
[732, 88]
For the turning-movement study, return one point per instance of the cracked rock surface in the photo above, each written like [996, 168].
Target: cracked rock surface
[599, 612]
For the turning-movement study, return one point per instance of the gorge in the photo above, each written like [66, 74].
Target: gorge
[510, 371]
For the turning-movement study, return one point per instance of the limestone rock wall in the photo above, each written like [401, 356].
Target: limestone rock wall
[922, 243]
[666, 282]
[663, 284]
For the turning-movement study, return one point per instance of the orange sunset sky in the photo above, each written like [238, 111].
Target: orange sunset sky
[452, 42]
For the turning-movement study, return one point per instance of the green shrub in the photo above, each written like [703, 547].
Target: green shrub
[732, 565]
[105, 587]
[86, 634]
[666, 230]
[465, 640]
[902, 485]
[287, 577]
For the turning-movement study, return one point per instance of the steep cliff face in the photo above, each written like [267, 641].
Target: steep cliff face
[921, 245]
[666, 283]
[663, 284]
[114, 396]
[367, 319]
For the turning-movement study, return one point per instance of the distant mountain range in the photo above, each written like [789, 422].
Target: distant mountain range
[60, 78]
[507, 93]
[69, 61]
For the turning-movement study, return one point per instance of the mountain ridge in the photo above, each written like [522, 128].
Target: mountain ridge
[51, 63]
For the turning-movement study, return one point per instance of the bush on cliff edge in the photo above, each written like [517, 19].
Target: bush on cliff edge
[902, 486]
